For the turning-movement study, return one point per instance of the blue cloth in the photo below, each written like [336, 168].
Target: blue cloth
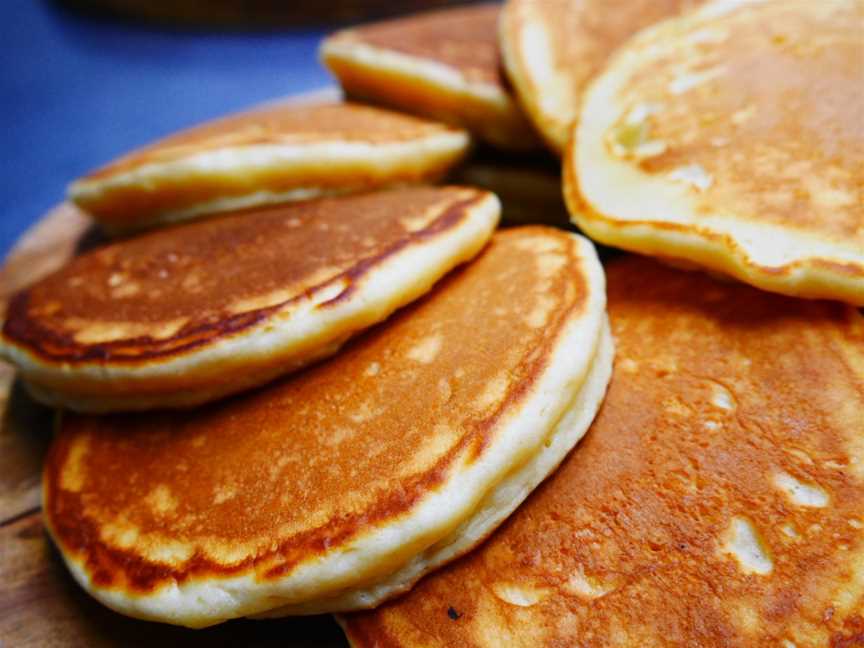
[77, 92]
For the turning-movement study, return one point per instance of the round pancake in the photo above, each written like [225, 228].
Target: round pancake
[442, 64]
[272, 154]
[732, 139]
[717, 500]
[189, 314]
[552, 48]
[345, 483]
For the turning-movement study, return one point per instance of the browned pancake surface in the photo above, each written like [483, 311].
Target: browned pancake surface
[465, 39]
[173, 290]
[261, 483]
[280, 124]
[769, 102]
[717, 390]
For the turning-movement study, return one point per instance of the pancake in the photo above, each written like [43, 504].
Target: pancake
[188, 314]
[272, 154]
[339, 487]
[551, 49]
[732, 139]
[717, 500]
[441, 64]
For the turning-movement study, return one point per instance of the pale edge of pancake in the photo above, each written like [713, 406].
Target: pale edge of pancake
[483, 108]
[530, 65]
[374, 556]
[285, 341]
[364, 164]
[618, 205]
[498, 504]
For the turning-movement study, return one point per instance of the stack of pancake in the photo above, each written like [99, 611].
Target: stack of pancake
[340, 387]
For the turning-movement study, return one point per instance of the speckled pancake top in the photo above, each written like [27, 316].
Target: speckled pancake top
[579, 35]
[279, 124]
[759, 111]
[170, 291]
[262, 483]
[464, 39]
[718, 498]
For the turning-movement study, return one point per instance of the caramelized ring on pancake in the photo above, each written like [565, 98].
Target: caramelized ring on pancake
[188, 314]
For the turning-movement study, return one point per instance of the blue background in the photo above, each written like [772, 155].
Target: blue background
[77, 92]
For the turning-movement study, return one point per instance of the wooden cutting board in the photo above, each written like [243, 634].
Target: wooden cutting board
[40, 604]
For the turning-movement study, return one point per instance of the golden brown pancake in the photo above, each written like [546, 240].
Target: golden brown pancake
[552, 49]
[188, 314]
[441, 64]
[275, 153]
[732, 139]
[339, 487]
[717, 500]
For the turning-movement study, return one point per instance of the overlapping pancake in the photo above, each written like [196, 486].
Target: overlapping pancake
[718, 498]
[733, 139]
[442, 64]
[339, 487]
[187, 314]
[552, 48]
[276, 153]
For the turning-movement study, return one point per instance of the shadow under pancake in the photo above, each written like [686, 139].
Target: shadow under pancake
[92, 238]
[24, 438]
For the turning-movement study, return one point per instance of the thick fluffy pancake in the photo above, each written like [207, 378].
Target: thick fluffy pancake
[344, 484]
[552, 48]
[187, 314]
[733, 139]
[718, 498]
[442, 64]
[273, 154]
